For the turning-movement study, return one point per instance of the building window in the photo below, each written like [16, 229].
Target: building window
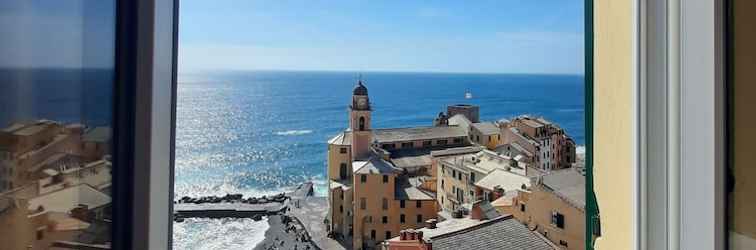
[362, 123]
[472, 177]
[454, 173]
[441, 142]
[557, 219]
[457, 140]
[442, 184]
[401, 203]
[341, 194]
[343, 171]
[419, 218]
[401, 218]
[459, 176]
[563, 243]
[522, 207]
[372, 234]
[418, 204]
[385, 179]
[427, 143]
[40, 234]
[341, 209]
[385, 204]
[406, 144]
[343, 150]
[363, 178]
[388, 235]
[363, 203]
[384, 220]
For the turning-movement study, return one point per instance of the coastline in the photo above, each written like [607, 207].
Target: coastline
[277, 237]
[300, 225]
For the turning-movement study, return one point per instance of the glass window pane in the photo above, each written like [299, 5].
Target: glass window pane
[269, 93]
[56, 80]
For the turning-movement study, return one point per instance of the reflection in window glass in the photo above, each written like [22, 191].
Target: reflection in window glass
[56, 79]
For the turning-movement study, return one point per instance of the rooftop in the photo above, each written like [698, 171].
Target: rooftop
[13, 127]
[503, 232]
[55, 160]
[343, 139]
[543, 121]
[486, 128]
[506, 199]
[374, 165]
[31, 129]
[456, 151]
[69, 198]
[568, 184]
[405, 190]
[411, 161]
[418, 133]
[484, 161]
[504, 179]
[459, 119]
[512, 150]
[525, 137]
[532, 123]
[98, 134]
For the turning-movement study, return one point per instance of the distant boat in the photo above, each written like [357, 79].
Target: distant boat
[468, 95]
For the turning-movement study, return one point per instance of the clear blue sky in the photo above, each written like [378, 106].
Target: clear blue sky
[504, 36]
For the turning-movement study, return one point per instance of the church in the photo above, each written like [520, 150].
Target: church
[383, 180]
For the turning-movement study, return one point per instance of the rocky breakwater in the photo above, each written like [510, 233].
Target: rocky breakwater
[229, 206]
[233, 198]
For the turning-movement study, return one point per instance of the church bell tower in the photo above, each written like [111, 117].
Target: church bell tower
[359, 122]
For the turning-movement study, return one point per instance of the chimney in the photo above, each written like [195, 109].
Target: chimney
[431, 224]
[476, 213]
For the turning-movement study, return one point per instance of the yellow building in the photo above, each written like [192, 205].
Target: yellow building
[382, 181]
[554, 207]
[485, 134]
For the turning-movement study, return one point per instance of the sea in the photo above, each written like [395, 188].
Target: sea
[264, 132]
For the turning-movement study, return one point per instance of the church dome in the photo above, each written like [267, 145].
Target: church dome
[360, 89]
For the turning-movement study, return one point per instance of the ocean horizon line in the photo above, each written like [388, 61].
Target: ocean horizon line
[357, 72]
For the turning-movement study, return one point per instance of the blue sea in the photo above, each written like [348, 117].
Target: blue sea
[263, 132]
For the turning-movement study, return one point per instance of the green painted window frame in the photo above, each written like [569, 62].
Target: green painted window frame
[591, 206]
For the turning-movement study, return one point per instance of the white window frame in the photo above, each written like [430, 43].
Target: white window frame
[681, 186]
[153, 124]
